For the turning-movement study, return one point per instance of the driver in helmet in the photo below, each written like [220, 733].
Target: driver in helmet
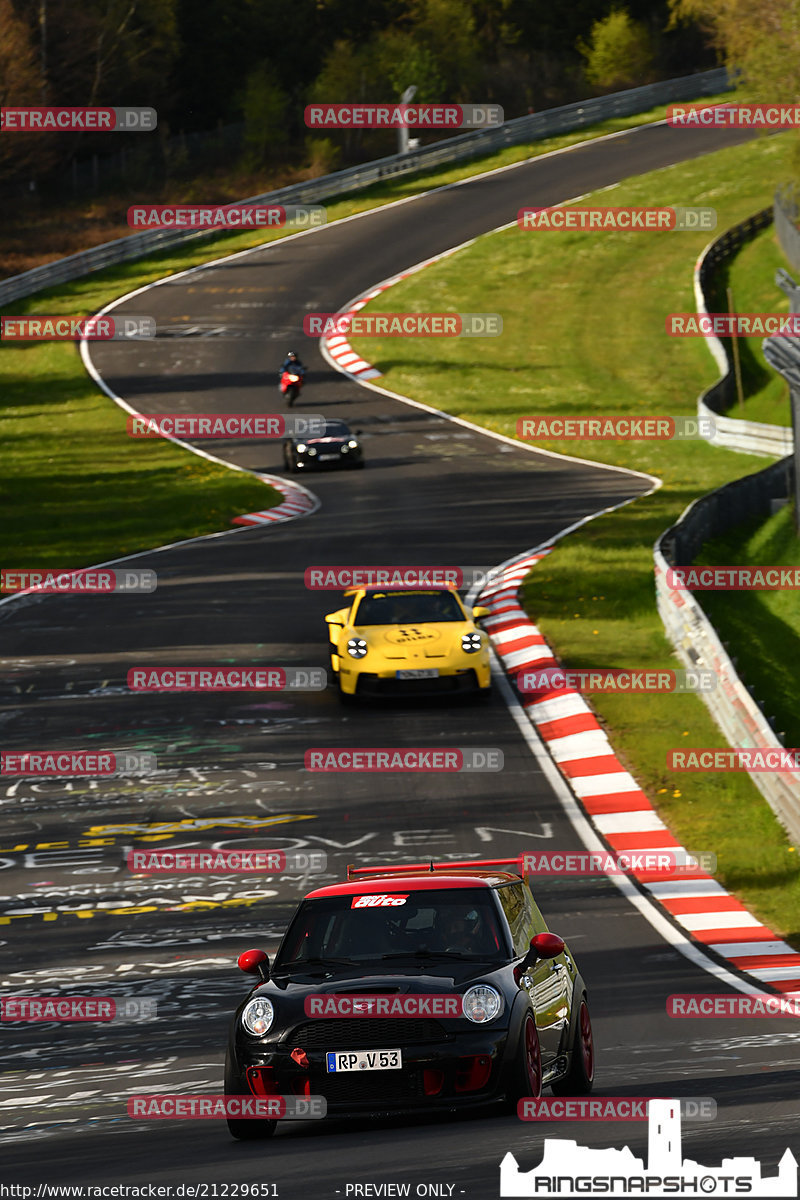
[292, 363]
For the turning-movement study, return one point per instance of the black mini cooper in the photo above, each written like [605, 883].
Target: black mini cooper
[461, 939]
[336, 447]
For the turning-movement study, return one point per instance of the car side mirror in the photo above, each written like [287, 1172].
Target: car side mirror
[479, 612]
[255, 962]
[544, 945]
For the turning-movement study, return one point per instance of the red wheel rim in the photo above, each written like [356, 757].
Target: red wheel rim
[533, 1059]
[587, 1042]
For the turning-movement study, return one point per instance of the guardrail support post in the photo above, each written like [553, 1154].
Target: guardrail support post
[783, 355]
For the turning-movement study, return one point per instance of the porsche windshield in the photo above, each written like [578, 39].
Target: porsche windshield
[406, 608]
[395, 924]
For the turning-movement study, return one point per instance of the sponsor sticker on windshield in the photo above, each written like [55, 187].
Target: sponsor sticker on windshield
[379, 901]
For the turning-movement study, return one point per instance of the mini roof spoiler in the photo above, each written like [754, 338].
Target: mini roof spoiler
[432, 868]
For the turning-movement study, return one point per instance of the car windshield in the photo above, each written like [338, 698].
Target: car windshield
[406, 608]
[395, 924]
[335, 429]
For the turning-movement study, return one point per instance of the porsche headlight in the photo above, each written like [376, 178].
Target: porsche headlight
[258, 1015]
[356, 647]
[312, 450]
[482, 1004]
[344, 449]
[353, 445]
[301, 448]
[471, 642]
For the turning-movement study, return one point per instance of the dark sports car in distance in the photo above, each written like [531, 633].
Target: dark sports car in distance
[468, 934]
[336, 447]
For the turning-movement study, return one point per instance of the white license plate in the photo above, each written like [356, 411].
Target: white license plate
[429, 673]
[364, 1060]
[328, 457]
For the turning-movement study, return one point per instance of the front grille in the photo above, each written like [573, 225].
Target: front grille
[386, 1033]
[373, 1087]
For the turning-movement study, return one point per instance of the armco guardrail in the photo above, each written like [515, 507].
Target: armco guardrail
[749, 437]
[786, 213]
[695, 640]
[466, 145]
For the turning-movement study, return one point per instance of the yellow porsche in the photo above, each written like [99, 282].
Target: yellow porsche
[407, 641]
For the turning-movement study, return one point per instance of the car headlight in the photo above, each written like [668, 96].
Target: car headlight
[312, 450]
[356, 647]
[258, 1015]
[471, 642]
[344, 449]
[482, 1003]
[301, 448]
[353, 445]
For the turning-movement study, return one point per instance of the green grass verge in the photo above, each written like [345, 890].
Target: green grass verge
[584, 333]
[762, 629]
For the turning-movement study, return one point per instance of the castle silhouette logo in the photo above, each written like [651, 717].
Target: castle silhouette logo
[568, 1169]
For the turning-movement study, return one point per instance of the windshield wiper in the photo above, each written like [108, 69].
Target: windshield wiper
[317, 962]
[433, 954]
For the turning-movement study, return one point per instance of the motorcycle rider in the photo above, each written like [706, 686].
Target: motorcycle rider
[293, 365]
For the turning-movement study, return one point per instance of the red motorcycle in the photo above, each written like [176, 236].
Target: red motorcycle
[291, 384]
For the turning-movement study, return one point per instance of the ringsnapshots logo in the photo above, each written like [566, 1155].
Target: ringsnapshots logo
[614, 679]
[402, 324]
[63, 764]
[568, 1169]
[214, 1107]
[731, 115]
[46, 119]
[227, 679]
[733, 325]
[610, 1108]
[396, 758]
[397, 578]
[559, 218]
[227, 216]
[403, 116]
[614, 429]
[76, 329]
[225, 425]
[759, 759]
[760, 578]
[209, 862]
[71, 1009]
[77, 583]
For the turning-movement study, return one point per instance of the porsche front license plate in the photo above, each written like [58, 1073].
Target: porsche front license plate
[364, 1060]
[430, 673]
[327, 457]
